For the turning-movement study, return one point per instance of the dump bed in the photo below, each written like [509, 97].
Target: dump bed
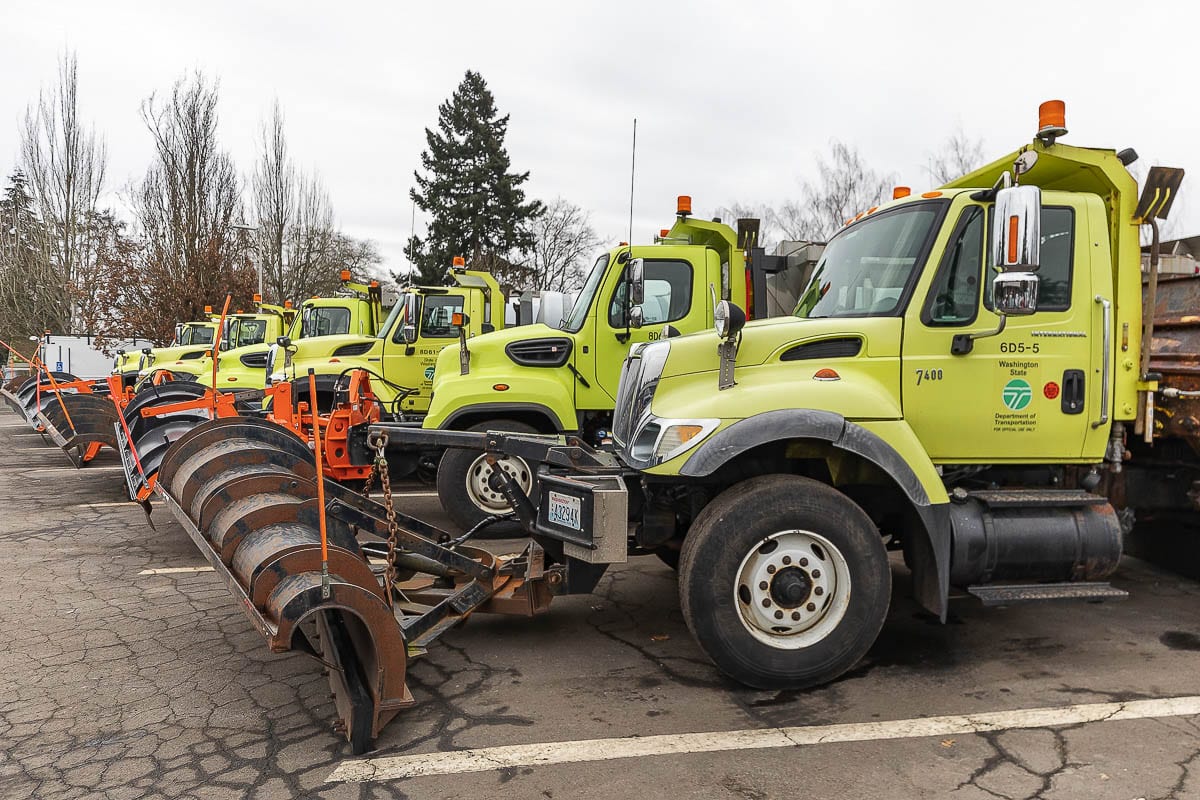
[1175, 355]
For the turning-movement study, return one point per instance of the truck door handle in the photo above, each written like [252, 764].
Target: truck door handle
[1073, 391]
[1106, 355]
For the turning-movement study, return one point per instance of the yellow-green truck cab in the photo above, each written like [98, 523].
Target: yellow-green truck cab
[401, 356]
[242, 330]
[192, 340]
[357, 310]
[958, 382]
[542, 379]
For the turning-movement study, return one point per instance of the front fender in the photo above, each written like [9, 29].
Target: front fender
[541, 389]
[890, 445]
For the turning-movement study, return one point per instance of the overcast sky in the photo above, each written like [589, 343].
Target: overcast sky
[733, 100]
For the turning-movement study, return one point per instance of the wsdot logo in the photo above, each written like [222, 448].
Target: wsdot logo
[1017, 394]
[429, 373]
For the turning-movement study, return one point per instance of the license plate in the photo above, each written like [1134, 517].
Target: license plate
[565, 510]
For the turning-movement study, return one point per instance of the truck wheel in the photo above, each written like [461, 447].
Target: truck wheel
[784, 582]
[462, 480]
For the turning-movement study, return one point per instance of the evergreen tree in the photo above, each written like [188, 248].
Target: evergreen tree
[477, 206]
[29, 294]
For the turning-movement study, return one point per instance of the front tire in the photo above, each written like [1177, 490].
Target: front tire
[462, 480]
[784, 582]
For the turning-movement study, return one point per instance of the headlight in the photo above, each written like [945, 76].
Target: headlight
[660, 439]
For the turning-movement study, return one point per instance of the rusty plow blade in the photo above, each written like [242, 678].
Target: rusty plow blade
[245, 491]
[80, 424]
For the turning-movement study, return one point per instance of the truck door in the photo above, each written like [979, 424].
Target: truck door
[411, 366]
[674, 292]
[1024, 395]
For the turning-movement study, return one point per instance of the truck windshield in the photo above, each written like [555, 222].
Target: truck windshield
[197, 334]
[393, 316]
[866, 269]
[243, 331]
[574, 321]
[324, 321]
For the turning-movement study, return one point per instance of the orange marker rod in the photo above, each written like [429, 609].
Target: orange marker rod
[316, 427]
[216, 351]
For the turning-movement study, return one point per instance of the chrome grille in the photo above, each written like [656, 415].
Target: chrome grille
[624, 417]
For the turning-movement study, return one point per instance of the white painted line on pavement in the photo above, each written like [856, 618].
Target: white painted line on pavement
[174, 570]
[124, 503]
[88, 468]
[532, 755]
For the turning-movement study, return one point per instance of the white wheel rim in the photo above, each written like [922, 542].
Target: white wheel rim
[484, 496]
[792, 589]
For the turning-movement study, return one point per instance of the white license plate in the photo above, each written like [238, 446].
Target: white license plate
[565, 510]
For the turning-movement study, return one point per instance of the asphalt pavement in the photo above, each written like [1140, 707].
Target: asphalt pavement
[128, 671]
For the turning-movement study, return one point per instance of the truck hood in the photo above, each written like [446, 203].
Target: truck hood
[488, 348]
[768, 339]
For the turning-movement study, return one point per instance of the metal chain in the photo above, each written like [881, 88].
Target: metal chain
[367, 484]
[381, 467]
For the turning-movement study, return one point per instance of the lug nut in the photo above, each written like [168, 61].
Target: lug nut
[818, 591]
[804, 562]
[816, 573]
[770, 569]
[796, 616]
[778, 615]
[766, 602]
[787, 559]
[764, 585]
[811, 606]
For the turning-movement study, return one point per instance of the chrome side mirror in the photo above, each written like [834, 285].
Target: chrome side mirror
[636, 317]
[637, 282]
[408, 333]
[1017, 229]
[1015, 293]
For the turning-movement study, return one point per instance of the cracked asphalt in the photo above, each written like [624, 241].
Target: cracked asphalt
[120, 685]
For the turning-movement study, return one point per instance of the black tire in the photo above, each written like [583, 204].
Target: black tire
[736, 529]
[453, 471]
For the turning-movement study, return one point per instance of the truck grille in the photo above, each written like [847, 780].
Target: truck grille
[254, 360]
[540, 352]
[624, 416]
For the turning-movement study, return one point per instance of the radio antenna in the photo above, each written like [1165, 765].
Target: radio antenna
[632, 172]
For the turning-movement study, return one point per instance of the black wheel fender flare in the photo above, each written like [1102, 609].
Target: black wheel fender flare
[467, 416]
[931, 572]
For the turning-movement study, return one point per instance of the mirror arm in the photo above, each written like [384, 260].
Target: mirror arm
[964, 343]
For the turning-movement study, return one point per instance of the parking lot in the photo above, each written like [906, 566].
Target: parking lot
[128, 671]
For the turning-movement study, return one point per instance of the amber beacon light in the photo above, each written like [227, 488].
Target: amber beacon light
[1052, 119]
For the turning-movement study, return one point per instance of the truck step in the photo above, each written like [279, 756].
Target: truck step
[1039, 498]
[1011, 594]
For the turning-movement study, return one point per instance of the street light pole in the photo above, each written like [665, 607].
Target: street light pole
[241, 226]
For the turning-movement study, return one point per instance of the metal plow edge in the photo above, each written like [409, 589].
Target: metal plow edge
[245, 490]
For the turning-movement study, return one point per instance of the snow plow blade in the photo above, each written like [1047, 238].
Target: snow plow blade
[25, 399]
[80, 424]
[153, 435]
[245, 490]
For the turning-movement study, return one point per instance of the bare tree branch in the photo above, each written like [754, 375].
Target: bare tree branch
[565, 245]
[65, 164]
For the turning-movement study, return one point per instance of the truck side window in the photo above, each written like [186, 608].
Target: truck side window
[1058, 245]
[1057, 259]
[668, 294]
[436, 317]
[954, 294]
